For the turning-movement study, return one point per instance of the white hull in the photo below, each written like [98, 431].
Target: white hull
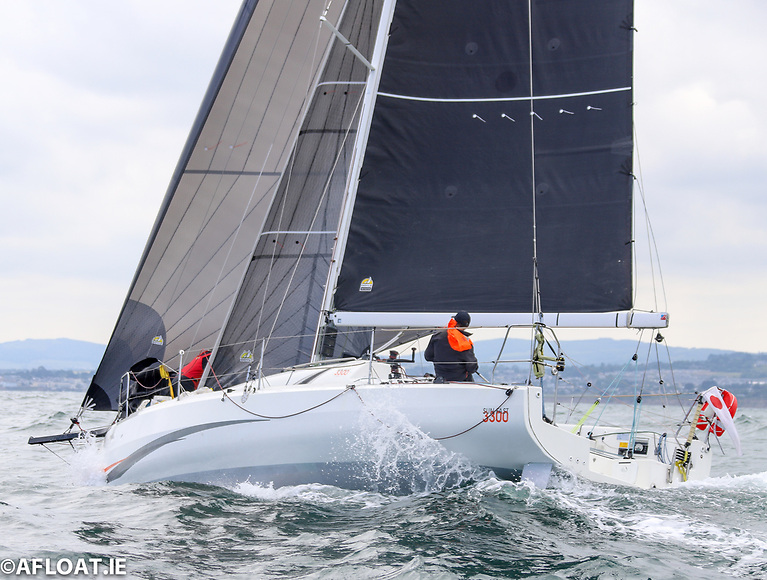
[310, 425]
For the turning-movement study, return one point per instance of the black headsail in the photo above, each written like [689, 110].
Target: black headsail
[221, 190]
[489, 114]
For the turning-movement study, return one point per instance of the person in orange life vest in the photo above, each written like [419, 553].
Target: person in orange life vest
[452, 351]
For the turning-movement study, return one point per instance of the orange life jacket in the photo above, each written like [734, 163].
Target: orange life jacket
[458, 340]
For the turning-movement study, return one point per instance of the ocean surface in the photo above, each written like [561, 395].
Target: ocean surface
[480, 528]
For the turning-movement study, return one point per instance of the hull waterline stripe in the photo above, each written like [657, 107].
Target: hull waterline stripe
[139, 454]
[108, 467]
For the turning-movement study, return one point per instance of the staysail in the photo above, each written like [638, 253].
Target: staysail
[220, 192]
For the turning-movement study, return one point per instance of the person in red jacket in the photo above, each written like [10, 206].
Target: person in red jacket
[452, 351]
[193, 371]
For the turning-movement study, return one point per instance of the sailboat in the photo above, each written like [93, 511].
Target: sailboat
[358, 172]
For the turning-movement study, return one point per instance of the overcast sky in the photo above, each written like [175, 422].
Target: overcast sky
[98, 97]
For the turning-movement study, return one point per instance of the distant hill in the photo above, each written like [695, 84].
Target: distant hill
[594, 352]
[590, 352]
[57, 353]
[68, 354]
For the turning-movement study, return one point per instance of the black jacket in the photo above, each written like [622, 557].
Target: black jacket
[449, 364]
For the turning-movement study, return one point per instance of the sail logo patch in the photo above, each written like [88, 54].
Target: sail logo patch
[366, 285]
[157, 341]
[246, 356]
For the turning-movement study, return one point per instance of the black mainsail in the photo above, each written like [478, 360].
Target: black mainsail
[486, 113]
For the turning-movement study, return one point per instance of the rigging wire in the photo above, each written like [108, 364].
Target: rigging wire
[270, 267]
[289, 173]
[56, 454]
[608, 393]
[651, 241]
[325, 191]
[307, 94]
[673, 378]
[536, 295]
[537, 309]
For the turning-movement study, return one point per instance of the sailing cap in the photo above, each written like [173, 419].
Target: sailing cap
[462, 318]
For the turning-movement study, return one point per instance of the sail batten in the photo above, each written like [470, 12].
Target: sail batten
[502, 99]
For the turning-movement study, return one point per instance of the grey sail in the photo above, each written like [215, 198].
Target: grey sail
[486, 138]
[220, 192]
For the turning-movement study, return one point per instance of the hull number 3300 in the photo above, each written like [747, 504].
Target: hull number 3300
[496, 415]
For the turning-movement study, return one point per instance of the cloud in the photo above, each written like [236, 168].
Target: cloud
[700, 123]
[103, 96]
[99, 98]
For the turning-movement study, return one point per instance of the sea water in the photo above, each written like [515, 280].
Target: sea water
[463, 523]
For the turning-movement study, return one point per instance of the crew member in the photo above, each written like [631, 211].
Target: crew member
[452, 351]
[193, 371]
